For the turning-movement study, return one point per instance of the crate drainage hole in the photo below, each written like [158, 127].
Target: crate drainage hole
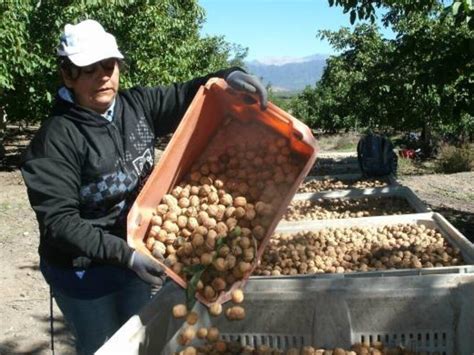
[279, 341]
[430, 342]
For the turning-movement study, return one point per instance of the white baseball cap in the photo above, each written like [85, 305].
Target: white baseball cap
[87, 43]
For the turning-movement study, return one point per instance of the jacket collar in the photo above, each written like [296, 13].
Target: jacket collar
[68, 96]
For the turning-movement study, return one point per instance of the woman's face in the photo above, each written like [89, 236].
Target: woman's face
[96, 85]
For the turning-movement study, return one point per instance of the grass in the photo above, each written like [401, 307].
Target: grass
[412, 167]
[340, 142]
[449, 160]
[345, 146]
[452, 159]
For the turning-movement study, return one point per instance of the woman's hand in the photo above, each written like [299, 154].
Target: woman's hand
[239, 80]
[147, 269]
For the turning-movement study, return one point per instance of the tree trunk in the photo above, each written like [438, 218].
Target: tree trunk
[2, 151]
[3, 128]
[426, 139]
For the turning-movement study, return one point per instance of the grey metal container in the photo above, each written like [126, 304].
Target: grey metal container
[391, 180]
[431, 313]
[339, 163]
[428, 219]
[402, 192]
[426, 310]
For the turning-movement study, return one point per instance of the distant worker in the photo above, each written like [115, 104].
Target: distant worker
[83, 170]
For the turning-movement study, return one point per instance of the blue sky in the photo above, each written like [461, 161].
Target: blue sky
[274, 28]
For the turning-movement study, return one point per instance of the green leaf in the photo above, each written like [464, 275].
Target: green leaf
[353, 16]
[235, 232]
[220, 242]
[191, 270]
[455, 7]
[191, 289]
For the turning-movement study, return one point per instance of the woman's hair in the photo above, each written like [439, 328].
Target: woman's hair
[68, 67]
[73, 71]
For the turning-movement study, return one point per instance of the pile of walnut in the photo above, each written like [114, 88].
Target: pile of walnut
[357, 249]
[217, 216]
[331, 184]
[337, 208]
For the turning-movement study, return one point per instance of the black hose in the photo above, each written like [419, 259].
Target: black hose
[51, 319]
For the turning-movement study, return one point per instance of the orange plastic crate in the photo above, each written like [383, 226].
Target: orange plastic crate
[215, 105]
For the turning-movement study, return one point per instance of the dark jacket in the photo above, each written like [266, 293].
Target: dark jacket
[83, 172]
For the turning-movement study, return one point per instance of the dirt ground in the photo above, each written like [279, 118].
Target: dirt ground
[24, 295]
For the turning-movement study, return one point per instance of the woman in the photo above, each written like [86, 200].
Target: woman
[84, 169]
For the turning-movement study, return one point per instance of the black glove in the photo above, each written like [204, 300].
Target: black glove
[147, 269]
[239, 80]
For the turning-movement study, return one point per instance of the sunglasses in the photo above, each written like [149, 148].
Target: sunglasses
[106, 64]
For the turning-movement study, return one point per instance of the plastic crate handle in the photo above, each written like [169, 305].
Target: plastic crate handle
[299, 129]
[216, 81]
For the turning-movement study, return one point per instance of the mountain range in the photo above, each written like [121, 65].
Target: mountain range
[285, 74]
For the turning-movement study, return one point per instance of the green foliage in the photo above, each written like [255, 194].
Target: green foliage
[452, 159]
[13, 50]
[160, 41]
[281, 99]
[303, 106]
[336, 103]
[421, 80]
[19, 57]
[461, 10]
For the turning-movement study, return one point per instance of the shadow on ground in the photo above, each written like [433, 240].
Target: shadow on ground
[63, 340]
[15, 141]
[32, 267]
[462, 220]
